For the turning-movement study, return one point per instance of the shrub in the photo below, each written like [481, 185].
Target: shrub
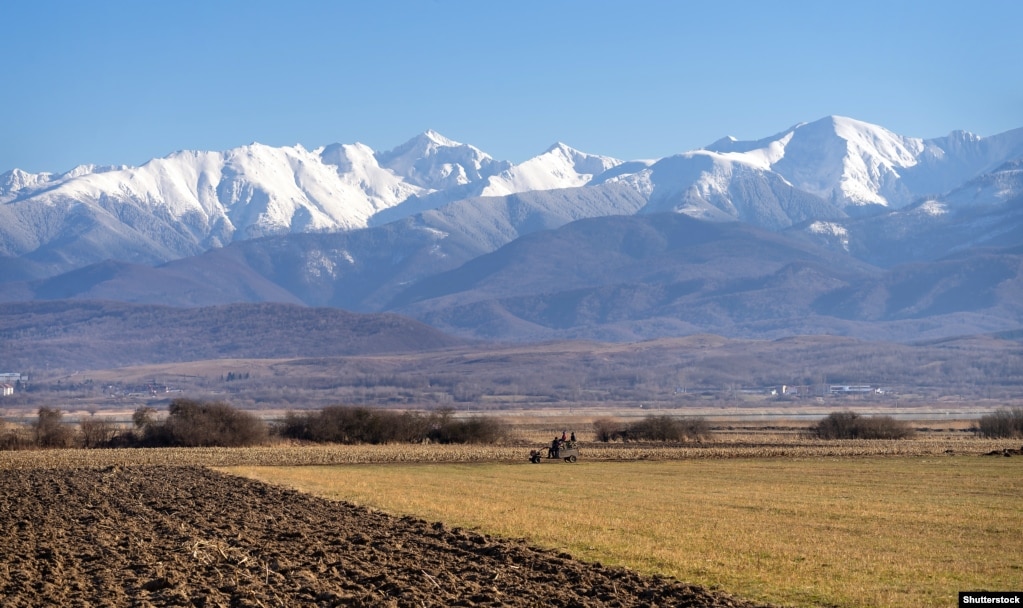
[343, 424]
[669, 428]
[50, 430]
[338, 424]
[607, 429]
[478, 429]
[295, 426]
[696, 427]
[850, 425]
[1005, 422]
[203, 424]
[143, 418]
[97, 432]
[14, 437]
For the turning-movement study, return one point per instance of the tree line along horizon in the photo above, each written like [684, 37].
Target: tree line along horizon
[194, 423]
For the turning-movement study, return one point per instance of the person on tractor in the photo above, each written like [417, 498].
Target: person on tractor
[554, 449]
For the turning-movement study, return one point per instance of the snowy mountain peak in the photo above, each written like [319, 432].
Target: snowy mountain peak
[15, 180]
[841, 159]
[560, 147]
[581, 162]
[437, 138]
[963, 136]
[435, 162]
[560, 166]
[725, 144]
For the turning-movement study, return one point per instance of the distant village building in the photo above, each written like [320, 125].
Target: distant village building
[10, 377]
[6, 390]
[789, 390]
[851, 389]
[823, 390]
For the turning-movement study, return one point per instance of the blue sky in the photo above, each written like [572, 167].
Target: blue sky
[121, 82]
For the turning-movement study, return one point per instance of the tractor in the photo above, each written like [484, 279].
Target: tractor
[568, 452]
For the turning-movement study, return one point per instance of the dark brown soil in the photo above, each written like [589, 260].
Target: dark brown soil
[177, 536]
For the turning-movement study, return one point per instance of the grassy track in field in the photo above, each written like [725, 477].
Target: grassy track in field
[896, 531]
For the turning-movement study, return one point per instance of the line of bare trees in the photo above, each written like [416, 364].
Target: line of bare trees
[1005, 422]
[192, 423]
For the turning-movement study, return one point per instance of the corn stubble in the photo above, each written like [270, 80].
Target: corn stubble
[731, 446]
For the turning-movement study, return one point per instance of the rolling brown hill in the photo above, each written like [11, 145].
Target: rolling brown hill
[73, 334]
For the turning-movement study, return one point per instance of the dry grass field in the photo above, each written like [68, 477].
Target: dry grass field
[800, 531]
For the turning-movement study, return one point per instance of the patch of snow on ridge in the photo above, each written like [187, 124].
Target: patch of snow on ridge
[640, 181]
[440, 234]
[933, 207]
[318, 264]
[830, 229]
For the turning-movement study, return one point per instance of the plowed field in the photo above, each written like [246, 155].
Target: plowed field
[188, 536]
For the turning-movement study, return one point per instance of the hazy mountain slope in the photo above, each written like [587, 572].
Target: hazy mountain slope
[96, 335]
[982, 282]
[646, 269]
[187, 282]
[638, 277]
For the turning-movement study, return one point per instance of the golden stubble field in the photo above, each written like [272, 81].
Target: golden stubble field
[800, 531]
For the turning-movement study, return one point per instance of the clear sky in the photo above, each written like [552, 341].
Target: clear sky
[112, 82]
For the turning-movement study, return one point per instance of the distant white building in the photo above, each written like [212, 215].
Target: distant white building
[6, 389]
[845, 389]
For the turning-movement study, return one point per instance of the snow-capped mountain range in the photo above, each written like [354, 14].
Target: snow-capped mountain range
[379, 222]
[191, 201]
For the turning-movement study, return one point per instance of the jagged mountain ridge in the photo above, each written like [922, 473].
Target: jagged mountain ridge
[191, 202]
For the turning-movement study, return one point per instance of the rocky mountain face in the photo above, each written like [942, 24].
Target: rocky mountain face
[835, 226]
